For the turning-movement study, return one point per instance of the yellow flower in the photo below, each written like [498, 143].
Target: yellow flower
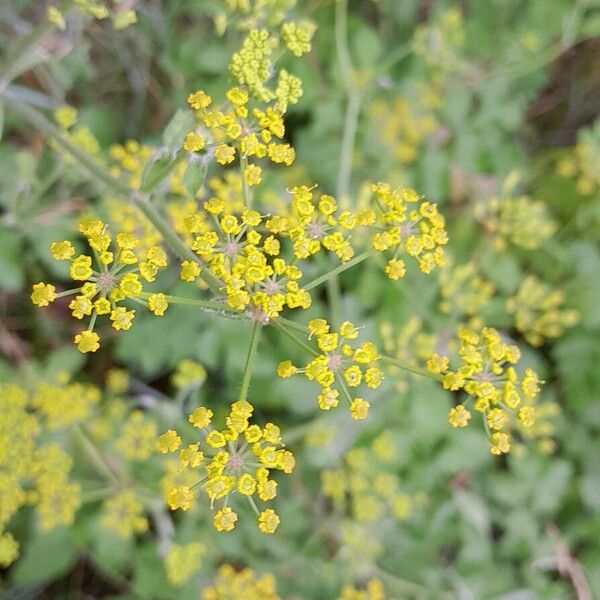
[158, 304]
[199, 100]
[296, 38]
[9, 549]
[181, 497]
[224, 154]
[246, 484]
[191, 456]
[328, 398]
[225, 519]
[81, 268]
[459, 416]
[353, 376]
[62, 250]
[124, 515]
[169, 442]
[43, 294]
[122, 318]
[201, 417]
[359, 409]
[527, 416]
[437, 363]
[87, 341]
[286, 369]
[215, 439]
[268, 521]
[252, 173]
[194, 142]
[395, 269]
[190, 270]
[500, 443]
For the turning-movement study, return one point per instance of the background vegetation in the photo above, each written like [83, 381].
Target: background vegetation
[487, 108]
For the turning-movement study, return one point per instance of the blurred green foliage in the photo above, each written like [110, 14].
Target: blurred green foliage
[465, 102]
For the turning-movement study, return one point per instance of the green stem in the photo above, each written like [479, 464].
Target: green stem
[99, 173]
[411, 368]
[353, 107]
[68, 292]
[253, 505]
[353, 104]
[247, 194]
[354, 99]
[256, 330]
[291, 324]
[94, 455]
[293, 337]
[195, 302]
[339, 269]
[95, 495]
[17, 60]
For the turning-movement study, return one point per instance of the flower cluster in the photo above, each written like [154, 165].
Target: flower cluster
[121, 15]
[583, 163]
[238, 458]
[402, 127]
[487, 375]
[408, 224]
[339, 364]
[182, 561]
[240, 584]
[538, 311]
[520, 221]
[373, 591]
[107, 279]
[32, 472]
[365, 486]
[464, 291]
[234, 129]
[246, 261]
[124, 515]
[410, 343]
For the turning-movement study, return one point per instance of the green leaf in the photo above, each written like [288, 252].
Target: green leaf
[159, 168]
[195, 174]
[179, 126]
[11, 268]
[46, 557]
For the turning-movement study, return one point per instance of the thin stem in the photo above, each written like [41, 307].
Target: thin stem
[411, 368]
[253, 505]
[194, 302]
[95, 495]
[17, 60]
[339, 269]
[94, 455]
[353, 107]
[256, 330]
[247, 194]
[291, 324]
[293, 337]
